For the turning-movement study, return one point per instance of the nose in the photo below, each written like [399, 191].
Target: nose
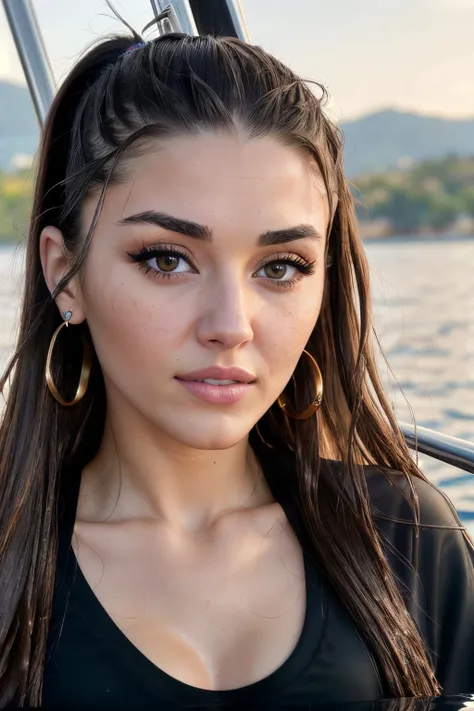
[226, 319]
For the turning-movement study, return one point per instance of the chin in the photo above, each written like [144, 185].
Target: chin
[213, 441]
[215, 436]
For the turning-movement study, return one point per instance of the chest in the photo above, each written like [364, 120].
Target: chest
[214, 617]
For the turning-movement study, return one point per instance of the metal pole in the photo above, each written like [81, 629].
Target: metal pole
[204, 17]
[238, 19]
[450, 450]
[182, 12]
[32, 52]
[220, 17]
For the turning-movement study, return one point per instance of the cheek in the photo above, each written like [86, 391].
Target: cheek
[132, 330]
[286, 329]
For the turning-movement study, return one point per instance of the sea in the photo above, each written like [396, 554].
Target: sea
[423, 305]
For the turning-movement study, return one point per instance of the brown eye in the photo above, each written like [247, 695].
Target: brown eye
[285, 271]
[275, 270]
[164, 262]
[167, 262]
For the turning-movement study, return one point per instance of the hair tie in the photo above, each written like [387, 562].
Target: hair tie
[133, 47]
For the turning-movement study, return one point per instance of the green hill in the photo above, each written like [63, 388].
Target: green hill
[431, 196]
[16, 193]
[17, 117]
[18, 125]
[384, 139]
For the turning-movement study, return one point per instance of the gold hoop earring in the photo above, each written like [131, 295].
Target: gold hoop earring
[85, 368]
[315, 405]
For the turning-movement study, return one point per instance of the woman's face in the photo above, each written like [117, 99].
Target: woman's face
[209, 256]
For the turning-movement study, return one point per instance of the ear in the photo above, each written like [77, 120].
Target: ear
[55, 263]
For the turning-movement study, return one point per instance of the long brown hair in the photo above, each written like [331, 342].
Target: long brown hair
[110, 105]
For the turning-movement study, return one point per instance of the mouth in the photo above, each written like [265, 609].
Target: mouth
[212, 381]
[221, 386]
[219, 376]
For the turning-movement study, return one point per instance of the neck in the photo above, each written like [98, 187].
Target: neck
[140, 473]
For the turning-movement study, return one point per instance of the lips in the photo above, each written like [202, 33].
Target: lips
[217, 373]
[218, 386]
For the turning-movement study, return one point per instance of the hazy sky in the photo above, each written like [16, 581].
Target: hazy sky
[409, 54]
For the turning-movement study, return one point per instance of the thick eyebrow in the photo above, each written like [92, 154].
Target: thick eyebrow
[204, 233]
[288, 234]
[168, 222]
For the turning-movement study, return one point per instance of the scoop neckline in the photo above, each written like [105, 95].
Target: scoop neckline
[115, 641]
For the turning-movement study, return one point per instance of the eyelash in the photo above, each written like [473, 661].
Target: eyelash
[147, 252]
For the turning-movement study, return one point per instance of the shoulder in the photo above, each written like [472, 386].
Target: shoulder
[392, 496]
[391, 493]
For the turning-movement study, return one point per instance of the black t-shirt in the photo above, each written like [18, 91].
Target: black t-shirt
[91, 663]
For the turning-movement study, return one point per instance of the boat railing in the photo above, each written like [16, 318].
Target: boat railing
[32, 53]
[195, 17]
[450, 450]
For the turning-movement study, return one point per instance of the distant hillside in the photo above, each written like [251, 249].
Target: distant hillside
[373, 143]
[18, 125]
[381, 140]
[17, 117]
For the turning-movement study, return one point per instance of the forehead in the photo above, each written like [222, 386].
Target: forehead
[220, 178]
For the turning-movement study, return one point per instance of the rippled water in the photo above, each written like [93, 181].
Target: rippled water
[424, 312]
[423, 296]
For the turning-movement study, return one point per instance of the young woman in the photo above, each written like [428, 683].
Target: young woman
[205, 497]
